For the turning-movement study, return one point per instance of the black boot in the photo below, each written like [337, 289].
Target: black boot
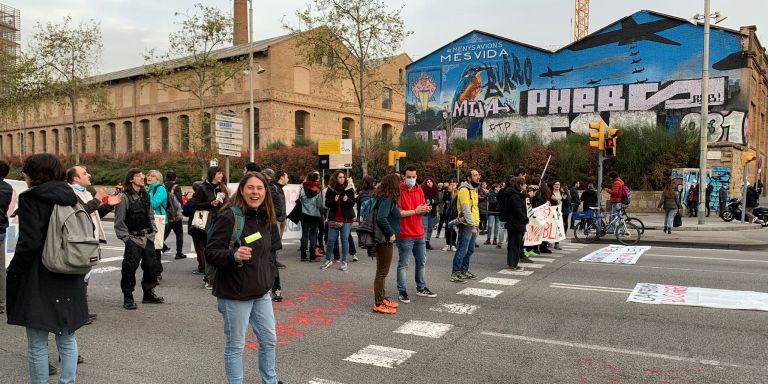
[151, 298]
[312, 256]
[128, 302]
[303, 254]
[429, 247]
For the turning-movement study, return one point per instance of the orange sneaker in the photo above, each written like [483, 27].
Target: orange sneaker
[390, 303]
[384, 309]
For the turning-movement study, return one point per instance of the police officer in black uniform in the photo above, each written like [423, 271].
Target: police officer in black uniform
[135, 226]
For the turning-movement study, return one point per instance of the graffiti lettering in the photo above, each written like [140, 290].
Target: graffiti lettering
[477, 55]
[723, 126]
[478, 108]
[678, 94]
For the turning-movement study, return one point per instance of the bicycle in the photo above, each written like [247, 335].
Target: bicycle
[591, 227]
[634, 220]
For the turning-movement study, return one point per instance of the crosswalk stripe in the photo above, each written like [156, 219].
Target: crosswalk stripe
[515, 273]
[105, 269]
[489, 293]
[499, 281]
[532, 265]
[381, 356]
[457, 308]
[424, 328]
[317, 380]
[543, 259]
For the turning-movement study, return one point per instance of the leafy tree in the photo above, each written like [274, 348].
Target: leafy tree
[418, 149]
[354, 37]
[193, 65]
[20, 87]
[66, 59]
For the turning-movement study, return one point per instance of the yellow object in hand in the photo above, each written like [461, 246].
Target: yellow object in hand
[251, 238]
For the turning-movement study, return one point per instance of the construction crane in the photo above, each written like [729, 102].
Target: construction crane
[580, 19]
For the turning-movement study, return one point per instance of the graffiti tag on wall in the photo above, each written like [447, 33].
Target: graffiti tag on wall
[723, 126]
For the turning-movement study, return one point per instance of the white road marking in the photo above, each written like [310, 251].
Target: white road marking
[543, 259]
[457, 308]
[380, 356]
[424, 328]
[590, 288]
[515, 273]
[164, 261]
[105, 269]
[611, 349]
[684, 269]
[110, 259]
[317, 380]
[706, 258]
[112, 248]
[489, 293]
[699, 249]
[499, 281]
[191, 255]
[531, 265]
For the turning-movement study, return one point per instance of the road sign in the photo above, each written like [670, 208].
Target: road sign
[228, 152]
[222, 140]
[346, 147]
[229, 135]
[231, 119]
[329, 147]
[231, 147]
[340, 161]
[228, 126]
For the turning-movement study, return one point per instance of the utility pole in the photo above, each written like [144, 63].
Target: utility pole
[704, 119]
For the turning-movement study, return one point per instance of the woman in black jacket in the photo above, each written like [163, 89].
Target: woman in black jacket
[340, 200]
[211, 199]
[245, 272]
[43, 301]
[517, 218]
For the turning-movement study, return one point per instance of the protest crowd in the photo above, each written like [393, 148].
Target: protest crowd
[236, 235]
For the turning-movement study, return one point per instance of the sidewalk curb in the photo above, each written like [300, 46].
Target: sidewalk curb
[692, 244]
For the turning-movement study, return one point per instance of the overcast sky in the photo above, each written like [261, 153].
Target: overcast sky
[130, 27]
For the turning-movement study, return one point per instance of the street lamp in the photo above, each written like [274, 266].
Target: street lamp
[259, 71]
[704, 106]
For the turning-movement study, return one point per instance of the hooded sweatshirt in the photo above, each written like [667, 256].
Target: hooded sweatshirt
[467, 202]
[411, 227]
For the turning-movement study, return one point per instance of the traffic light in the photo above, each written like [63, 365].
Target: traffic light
[393, 156]
[612, 141]
[459, 163]
[453, 162]
[597, 134]
[747, 157]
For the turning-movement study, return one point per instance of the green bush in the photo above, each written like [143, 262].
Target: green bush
[418, 149]
[276, 145]
[302, 142]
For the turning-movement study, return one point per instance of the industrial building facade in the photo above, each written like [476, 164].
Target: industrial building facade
[10, 29]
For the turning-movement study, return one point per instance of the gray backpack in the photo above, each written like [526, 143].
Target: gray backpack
[71, 246]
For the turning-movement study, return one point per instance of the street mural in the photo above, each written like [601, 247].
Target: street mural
[644, 69]
[720, 178]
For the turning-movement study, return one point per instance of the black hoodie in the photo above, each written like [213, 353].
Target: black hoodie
[38, 298]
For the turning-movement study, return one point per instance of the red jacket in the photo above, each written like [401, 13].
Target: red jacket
[616, 190]
[411, 227]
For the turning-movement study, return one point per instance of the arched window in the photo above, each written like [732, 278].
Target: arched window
[205, 130]
[165, 134]
[112, 138]
[386, 132]
[31, 140]
[81, 133]
[302, 124]
[43, 139]
[2, 150]
[347, 127]
[21, 143]
[255, 127]
[184, 132]
[386, 98]
[56, 141]
[97, 137]
[68, 141]
[10, 144]
[145, 134]
[128, 131]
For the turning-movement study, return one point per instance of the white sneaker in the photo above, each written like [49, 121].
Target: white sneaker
[343, 266]
[446, 248]
[453, 248]
[208, 286]
[326, 264]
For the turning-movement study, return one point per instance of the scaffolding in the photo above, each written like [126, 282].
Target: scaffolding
[580, 19]
[10, 29]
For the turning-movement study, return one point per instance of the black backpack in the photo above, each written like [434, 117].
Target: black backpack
[503, 206]
[173, 206]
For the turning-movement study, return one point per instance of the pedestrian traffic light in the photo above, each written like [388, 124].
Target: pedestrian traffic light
[453, 162]
[747, 157]
[459, 163]
[597, 134]
[393, 156]
[612, 141]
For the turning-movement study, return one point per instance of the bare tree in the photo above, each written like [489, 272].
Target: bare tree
[354, 37]
[67, 57]
[192, 63]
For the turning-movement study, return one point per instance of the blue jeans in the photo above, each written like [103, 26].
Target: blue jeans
[669, 215]
[406, 248]
[237, 314]
[333, 235]
[429, 223]
[465, 247]
[492, 228]
[37, 356]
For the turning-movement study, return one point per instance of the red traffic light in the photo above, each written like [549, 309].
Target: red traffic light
[609, 142]
[453, 161]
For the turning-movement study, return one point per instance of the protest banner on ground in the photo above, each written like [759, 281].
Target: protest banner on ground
[545, 223]
[649, 293]
[616, 254]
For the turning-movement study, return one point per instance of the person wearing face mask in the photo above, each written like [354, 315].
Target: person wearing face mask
[245, 272]
[468, 222]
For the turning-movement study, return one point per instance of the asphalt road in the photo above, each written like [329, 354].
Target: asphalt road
[566, 322]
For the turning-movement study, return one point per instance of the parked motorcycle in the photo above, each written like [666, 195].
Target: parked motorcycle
[733, 211]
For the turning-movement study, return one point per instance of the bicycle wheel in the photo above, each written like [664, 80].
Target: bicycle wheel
[585, 231]
[627, 233]
[637, 223]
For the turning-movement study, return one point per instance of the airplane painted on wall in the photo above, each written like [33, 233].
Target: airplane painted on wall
[635, 61]
[638, 70]
[631, 32]
[634, 53]
[641, 81]
[551, 73]
[593, 82]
